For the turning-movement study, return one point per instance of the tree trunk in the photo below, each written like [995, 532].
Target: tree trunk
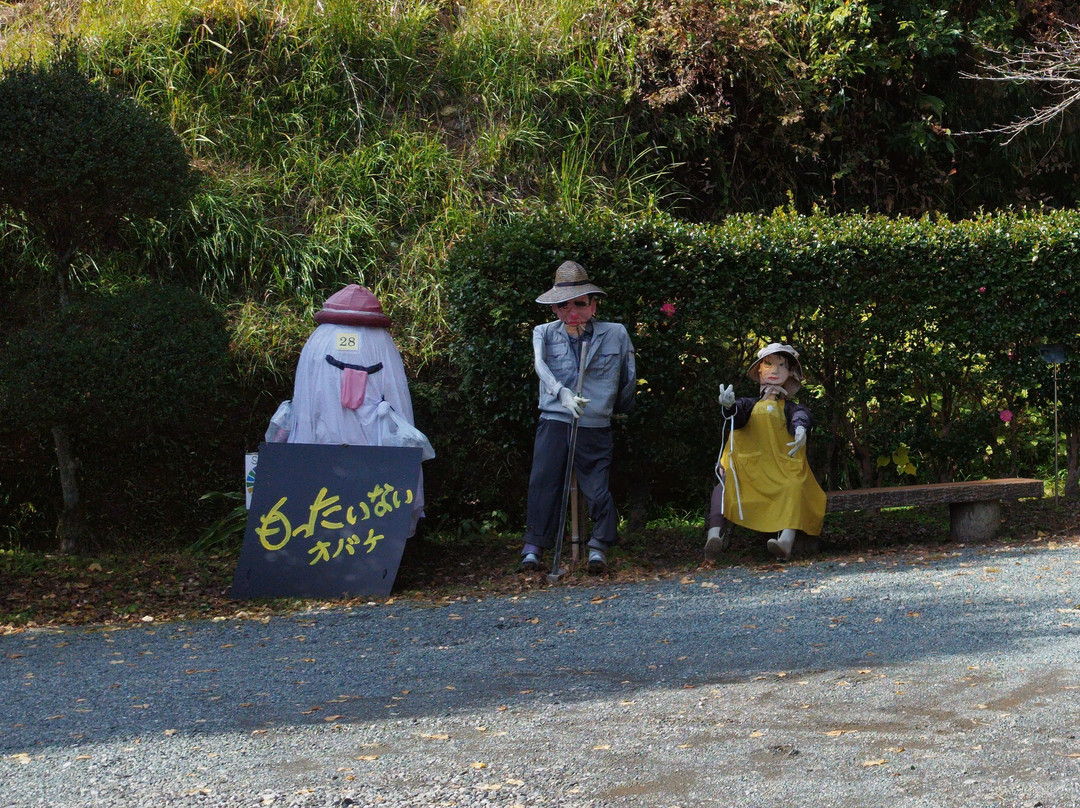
[71, 529]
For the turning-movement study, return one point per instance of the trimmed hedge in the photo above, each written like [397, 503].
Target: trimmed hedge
[919, 333]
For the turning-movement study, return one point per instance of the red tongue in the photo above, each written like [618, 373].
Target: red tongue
[353, 385]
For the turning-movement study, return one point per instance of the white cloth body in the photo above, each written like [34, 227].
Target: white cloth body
[318, 415]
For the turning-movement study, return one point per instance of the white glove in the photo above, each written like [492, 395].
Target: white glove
[799, 442]
[727, 395]
[576, 404]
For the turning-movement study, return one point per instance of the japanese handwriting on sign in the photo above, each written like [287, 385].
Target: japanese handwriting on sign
[325, 512]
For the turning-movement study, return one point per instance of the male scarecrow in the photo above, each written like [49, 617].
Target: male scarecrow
[606, 387]
[765, 482]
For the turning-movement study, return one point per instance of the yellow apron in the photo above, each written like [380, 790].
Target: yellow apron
[777, 491]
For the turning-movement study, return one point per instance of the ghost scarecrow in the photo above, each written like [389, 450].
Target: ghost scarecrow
[765, 482]
[350, 385]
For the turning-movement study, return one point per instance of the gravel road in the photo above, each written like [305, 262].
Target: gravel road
[945, 679]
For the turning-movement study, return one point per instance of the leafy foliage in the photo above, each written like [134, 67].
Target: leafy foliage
[139, 372]
[136, 358]
[914, 331]
[844, 105]
[76, 160]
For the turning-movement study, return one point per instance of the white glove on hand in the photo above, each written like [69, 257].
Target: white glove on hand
[799, 442]
[575, 404]
[727, 395]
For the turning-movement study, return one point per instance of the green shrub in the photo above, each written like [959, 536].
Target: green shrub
[137, 374]
[912, 331]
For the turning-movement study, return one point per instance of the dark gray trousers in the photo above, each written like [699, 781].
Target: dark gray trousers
[592, 465]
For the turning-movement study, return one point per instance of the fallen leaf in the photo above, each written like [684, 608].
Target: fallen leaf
[602, 747]
[368, 757]
[479, 765]
[757, 733]
[878, 762]
[836, 733]
[331, 718]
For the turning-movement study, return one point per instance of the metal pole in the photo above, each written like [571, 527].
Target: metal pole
[1056, 435]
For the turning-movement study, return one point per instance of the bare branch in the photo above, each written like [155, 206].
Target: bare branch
[1053, 63]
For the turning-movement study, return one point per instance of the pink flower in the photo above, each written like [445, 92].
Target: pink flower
[668, 309]
[1006, 415]
[982, 288]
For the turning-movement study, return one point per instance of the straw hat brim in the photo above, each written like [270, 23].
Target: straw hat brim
[560, 294]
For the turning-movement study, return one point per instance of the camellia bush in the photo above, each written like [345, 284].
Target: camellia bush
[921, 339]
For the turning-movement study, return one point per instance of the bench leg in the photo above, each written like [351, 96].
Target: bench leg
[974, 521]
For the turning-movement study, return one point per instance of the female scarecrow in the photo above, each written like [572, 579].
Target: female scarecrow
[765, 482]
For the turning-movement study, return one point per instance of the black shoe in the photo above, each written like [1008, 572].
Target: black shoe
[530, 562]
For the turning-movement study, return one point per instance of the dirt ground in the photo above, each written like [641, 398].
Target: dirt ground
[44, 590]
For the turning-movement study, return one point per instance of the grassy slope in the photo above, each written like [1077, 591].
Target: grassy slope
[355, 141]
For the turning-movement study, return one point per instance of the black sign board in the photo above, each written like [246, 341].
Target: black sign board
[327, 521]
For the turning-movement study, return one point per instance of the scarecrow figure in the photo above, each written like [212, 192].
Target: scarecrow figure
[350, 383]
[576, 341]
[765, 482]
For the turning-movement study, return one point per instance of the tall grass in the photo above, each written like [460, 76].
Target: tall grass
[348, 141]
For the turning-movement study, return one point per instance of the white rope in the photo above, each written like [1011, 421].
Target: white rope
[730, 446]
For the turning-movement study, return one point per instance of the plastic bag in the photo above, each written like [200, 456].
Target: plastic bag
[396, 431]
[280, 424]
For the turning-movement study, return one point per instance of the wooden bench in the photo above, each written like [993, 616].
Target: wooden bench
[974, 507]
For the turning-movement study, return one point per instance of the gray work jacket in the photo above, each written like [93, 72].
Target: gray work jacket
[610, 375]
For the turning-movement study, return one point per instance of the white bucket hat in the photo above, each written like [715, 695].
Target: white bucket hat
[794, 381]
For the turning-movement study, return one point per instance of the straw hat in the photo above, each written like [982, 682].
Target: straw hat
[353, 305]
[570, 282]
[794, 381]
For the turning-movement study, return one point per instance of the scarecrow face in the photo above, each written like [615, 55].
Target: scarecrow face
[575, 313]
[774, 370]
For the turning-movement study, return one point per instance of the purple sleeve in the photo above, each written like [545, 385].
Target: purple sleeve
[798, 415]
[741, 409]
